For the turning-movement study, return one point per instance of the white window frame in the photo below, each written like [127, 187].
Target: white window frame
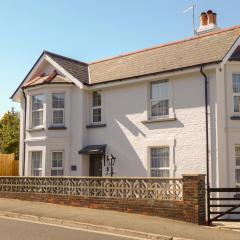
[39, 110]
[57, 168]
[236, 166]
[97, 107]
[234, 95]
[171, 112]
[36, 169]
[159, 168]
[58, 109]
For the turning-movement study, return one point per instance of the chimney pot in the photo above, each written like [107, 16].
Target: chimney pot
[203, 19]
[211, 17]
[208, 22]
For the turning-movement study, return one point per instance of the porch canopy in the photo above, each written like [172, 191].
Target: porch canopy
[93, 149]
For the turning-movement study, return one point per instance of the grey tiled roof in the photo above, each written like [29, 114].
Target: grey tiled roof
[204, 49]
[76, 68]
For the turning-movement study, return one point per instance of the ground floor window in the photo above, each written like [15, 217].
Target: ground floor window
[36, 163]
[237, 160]
[159, 162]
[57, 163]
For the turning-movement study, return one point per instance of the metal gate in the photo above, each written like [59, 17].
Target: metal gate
[222, 203]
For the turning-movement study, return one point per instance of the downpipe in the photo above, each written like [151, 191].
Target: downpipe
[207, 140]
[24, 132]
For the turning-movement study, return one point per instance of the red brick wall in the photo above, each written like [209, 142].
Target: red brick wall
[191, 209]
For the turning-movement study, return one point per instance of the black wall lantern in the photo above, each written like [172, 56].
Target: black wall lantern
[109, 162]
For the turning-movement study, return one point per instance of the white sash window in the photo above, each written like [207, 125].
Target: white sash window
[237, 169]
[96, 107]
[58, 103]
[159, 162]
[37, 110]
[36, 163]
[57, 163]
[236, 93]
[159, 102]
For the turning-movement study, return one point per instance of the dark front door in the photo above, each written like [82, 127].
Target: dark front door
[95, 165]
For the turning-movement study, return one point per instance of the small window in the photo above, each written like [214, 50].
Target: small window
[159, 162]
[57, 163]
[96, 107]
[236, 93]
[159, 102]
[237, 162]
[37, 110]
[58, 102]
[36, 163]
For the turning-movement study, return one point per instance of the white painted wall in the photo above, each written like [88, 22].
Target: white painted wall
[232, 126]
[128, 138]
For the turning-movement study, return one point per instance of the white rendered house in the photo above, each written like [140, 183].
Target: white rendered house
[146, 108]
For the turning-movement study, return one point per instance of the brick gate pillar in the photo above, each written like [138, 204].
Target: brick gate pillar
[194, 198]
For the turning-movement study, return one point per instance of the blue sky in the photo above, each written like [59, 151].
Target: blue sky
[91, 30]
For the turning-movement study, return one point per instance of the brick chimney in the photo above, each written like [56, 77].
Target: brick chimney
[208, 22]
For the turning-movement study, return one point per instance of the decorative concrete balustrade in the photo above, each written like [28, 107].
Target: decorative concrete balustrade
[130, 188]
[176, 198]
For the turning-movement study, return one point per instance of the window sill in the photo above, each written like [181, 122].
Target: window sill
[35, 129]
[235, 117]
[160, 120]
[96, 125]
[57, 128]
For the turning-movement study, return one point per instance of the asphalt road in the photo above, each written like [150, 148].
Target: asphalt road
[11, 229]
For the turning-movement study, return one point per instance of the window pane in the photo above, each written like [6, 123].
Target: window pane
[36, 172]
[160, 108]
[37, 118]
[58, 117]
[37, 159]
[57, 159]
[36, 163]
[159, 173]
[56, 172]
[160, 157]
[58, 100]
[237, 155]
[159, 90]
[97, 115]
[160, 162]
[37, 102]
[236, 83]
[236, 100]
[237, 175]
[96, 99]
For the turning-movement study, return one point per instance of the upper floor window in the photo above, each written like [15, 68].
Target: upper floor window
[237, 169]
[236, 93]
[36, 163]
[37, 110]
[57, 163]
[159, 102]
[159, 162]
[96, 107]
[58, 102]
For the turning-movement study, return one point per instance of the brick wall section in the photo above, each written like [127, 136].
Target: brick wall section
[194, 198]
[191, 209]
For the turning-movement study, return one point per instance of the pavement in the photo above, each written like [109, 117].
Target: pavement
[125, 224]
